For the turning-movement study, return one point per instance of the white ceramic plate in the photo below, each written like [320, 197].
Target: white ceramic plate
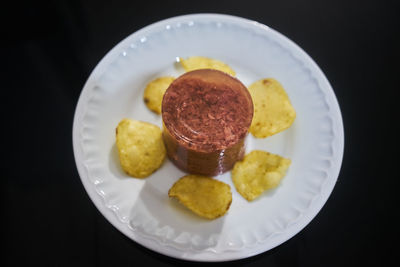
[141, 209]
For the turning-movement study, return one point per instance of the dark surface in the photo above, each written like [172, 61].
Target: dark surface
[48, 52]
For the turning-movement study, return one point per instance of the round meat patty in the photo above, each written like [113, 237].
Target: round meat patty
[206, 115]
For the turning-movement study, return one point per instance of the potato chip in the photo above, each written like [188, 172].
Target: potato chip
[154, 92]
[203, 195]
[273, 111]
[140, 147]
[258, 172]
[194, 63]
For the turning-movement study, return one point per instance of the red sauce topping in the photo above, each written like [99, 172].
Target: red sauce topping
[207, 110]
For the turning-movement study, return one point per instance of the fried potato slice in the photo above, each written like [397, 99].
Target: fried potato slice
[273, 111]
[140, 147]
[203, 195]
[258, 172]
[154, 92]
[194, 63]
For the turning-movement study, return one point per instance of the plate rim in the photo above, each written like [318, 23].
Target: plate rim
[168, 250]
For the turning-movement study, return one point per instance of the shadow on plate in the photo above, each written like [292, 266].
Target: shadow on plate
[158, 216]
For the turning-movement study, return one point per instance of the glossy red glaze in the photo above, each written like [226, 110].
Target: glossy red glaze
[206, 115]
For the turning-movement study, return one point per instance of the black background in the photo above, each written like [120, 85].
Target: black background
[50, 48]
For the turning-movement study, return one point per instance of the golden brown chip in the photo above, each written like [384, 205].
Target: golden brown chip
[258, 172]
[273, 111]
[140, 147]
[203, 195]
[154, 92]
[194, 63]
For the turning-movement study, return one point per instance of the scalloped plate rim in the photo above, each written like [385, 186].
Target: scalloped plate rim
[206, 255]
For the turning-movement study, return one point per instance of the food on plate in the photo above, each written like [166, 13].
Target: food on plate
[140, 147]
[195, 63]
[203, 195]
[258, 172]
[206, 115]
[273, 111]
[154, 92]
